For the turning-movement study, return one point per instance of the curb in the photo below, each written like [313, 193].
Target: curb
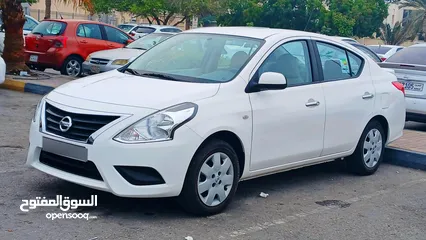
[405, 158]
[26, 87]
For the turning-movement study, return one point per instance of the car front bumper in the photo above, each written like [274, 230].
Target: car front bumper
[167, 161]
[416, 109]
[90, 68]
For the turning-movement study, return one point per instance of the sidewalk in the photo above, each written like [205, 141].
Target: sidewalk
[408, 151]
[42, 85]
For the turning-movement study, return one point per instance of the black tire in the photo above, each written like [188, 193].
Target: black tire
[189, 198]
[355, 162]
[67, 61]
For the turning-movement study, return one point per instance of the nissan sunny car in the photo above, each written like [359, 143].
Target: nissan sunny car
[187, 120]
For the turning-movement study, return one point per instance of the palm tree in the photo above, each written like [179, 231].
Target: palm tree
[420, 6]
[48, 4]
[13, 23]
[399, 33]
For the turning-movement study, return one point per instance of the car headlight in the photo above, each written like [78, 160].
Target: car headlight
[158, 126]
[37, 111]
[120, 62]
[88, 57]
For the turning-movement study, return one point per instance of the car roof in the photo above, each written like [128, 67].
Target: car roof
[76, 21]
[253, 32]
[157, 26]
[390, 46]
[418, 45]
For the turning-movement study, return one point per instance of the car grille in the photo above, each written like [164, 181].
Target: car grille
[99, 61]
[83, 125]
[85, 169]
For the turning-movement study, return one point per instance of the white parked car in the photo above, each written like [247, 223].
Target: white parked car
[183, 120]
[346, 39]
[29, 25]
[2, 70]
[409, 66]
[142, 30]
[385, 51]
[107, 60]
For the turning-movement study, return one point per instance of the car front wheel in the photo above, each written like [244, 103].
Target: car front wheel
[211, 180]
[369, 151]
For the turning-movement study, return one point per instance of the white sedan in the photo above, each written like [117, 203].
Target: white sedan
[186, 121]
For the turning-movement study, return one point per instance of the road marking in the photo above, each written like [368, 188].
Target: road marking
[262, 226]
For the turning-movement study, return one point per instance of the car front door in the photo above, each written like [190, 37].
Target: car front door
[288, 124]
[115, 38]
[349, 93]
[89, 37]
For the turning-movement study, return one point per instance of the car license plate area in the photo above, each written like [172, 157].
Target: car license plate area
[33, 58]
[413, 86]
[65, 149]
[95, 69]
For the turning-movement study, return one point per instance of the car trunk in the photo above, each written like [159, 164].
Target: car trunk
[44, 36]
[412, 76]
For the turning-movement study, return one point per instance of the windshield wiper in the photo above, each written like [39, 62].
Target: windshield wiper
[134, 72]
[160, 75]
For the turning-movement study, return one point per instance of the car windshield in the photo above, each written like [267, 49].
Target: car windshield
[148, 41]
[380, 49]
[208, 58]
[49, 28]
[410, 55]
[125, 27]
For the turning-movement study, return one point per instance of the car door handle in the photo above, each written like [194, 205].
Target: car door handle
[367, 95]
[312, 103]
[83, 41]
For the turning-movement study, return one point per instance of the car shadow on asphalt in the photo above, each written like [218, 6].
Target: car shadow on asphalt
[110, 205]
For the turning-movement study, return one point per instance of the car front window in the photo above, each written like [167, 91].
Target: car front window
[197, 58]
[148, 41]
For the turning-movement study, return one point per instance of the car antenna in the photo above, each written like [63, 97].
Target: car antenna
[58, 11]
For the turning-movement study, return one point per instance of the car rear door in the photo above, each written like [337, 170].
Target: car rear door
[89, 38]
[115, 38]
[349, 93]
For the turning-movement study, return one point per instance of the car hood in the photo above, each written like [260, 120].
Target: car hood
[118, 88]
[118, 53]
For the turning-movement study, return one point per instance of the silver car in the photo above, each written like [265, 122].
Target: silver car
[107, 60]
[409, 65]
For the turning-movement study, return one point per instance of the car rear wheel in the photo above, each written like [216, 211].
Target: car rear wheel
[369, 151]
[211, 180]
[73, 66]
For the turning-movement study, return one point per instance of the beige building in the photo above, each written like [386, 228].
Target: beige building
[68, 11]
[397, 14]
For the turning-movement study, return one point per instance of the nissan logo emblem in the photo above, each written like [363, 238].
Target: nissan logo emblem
[65, 124]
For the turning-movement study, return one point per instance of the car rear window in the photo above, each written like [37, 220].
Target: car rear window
[145, 30]
[410, 55]
[50, 28]
[125, 27]
[380, 49]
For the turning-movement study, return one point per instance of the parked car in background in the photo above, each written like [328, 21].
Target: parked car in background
[346, 39]
[127, 27]
[29, 25]
[409, 65]
[142, 30]
[2, 70]
[385, 51]
[367, 51]
[64, 44]
[182, 121]
[106, 60]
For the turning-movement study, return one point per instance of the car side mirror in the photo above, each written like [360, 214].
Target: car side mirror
[268, 81]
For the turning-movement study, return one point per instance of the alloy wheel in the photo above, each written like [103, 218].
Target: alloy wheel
[372, 148]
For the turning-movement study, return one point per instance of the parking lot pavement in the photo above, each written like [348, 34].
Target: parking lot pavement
[321, 202]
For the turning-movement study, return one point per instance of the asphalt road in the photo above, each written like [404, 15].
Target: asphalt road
[321, 202]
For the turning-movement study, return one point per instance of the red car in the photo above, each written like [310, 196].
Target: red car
[64, 44]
